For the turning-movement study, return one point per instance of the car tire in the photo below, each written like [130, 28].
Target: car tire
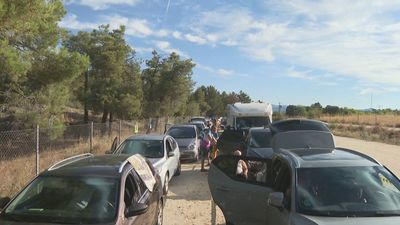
[166, 184]
[178, 170]
[160, 215]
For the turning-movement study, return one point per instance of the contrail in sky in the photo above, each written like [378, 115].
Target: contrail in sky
[166, 11]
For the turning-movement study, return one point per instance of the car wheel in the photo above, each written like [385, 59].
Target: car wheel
[160, 216]
[166, 181]
[178, 170]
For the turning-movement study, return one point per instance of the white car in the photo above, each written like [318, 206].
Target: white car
[161, 150]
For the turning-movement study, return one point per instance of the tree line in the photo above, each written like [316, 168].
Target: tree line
[44, 68]
[316, 110]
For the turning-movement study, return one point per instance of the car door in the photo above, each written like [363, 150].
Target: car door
[282, 181]
[175, 158]
[170, 164]
[242, 200]
[132, 195]
[149, 198]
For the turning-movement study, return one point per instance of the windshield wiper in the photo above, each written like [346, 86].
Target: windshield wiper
[383, 214]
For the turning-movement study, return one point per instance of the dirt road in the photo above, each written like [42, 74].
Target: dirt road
[189, 200]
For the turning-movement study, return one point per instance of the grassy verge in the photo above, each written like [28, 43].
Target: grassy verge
[368, 133]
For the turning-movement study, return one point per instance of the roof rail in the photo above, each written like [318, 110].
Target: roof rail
[360, 154]
[69, 160]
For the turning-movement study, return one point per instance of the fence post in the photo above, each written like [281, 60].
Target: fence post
[119, 131]
[91, 137]
[37, 149]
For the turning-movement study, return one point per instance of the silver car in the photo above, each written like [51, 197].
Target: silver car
[188, 140]
[161, 150]
[305, 186]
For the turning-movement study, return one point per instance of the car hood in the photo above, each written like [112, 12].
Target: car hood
[265, 153]
[184, 142]
[321, 220]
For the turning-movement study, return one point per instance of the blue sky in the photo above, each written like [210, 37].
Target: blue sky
[335, 52]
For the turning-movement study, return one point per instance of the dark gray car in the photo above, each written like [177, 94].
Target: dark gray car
[89, 189]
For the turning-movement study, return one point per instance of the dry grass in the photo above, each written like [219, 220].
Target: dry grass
[16, 173]
[369, 133]
[365, 119]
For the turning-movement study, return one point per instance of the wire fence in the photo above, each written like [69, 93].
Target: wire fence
[25, 153]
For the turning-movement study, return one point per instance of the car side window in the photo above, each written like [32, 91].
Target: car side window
[168, 145]
[173, 143]
[140, 184]
[131, 191]
[245, 169]
[282, 181]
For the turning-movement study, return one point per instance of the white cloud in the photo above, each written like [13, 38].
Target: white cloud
[224, 73]
[195, 39]
[166, 47]
[300, 74]
[358, 39]
[134, 27]
[104, 4]
[71, 22]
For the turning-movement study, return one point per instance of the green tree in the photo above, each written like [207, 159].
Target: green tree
[35, 73]
[167, 84]
[244, 98]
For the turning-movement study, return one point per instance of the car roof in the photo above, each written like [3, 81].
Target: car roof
[328, 157]
[147, 137]
[183, 125]
[88, 165]
[259, 129]
[298, 124]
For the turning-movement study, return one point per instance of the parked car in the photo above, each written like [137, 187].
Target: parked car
[197, 118]
[258, 143]
[298, 124]
[305, 186]
[89, 189]
[199, 125]
[161, 150]
[188, 140]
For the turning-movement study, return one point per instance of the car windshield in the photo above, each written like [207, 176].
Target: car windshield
[247, 122]
[66, 200]
[146, 148]
[347, 192]
[260, 139]
[182, 132]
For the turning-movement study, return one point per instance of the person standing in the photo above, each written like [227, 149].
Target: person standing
[214, 140]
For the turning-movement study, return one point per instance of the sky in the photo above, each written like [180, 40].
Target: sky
[336, 52]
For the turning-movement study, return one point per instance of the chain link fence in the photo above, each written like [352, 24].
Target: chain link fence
[25, 153]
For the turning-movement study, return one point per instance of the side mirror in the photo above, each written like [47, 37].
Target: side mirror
[4, 202]
[170, 154]
[275, 199]
[137, 209]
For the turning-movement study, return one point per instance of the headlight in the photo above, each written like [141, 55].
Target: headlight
[191, 146]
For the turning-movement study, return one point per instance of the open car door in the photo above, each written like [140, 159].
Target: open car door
[231, 140]
[242, 199]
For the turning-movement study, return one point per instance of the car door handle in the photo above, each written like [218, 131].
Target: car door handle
[225, 189]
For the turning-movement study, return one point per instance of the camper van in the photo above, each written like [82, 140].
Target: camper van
[246, 115]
